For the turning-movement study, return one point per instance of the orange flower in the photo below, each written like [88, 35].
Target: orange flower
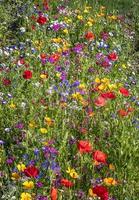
[122, 112]
[89, 36]
[53, 194]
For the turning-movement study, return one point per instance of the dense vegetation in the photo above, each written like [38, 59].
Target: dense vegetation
[69, 100]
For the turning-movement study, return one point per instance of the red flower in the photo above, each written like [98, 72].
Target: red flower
[43, 56]
[108, 95]
[45, 5]
[27, 74]
[113, 56]
[100, 101]
[99, 156]
[6, 82]
[31, 171]
[42, 20]
[101, 192]
[53, 194]
[122, 112]
[89, 36]
[84, 146]
[124, 92]
[66, 183]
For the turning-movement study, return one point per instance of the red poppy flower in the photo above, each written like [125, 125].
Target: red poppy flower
[66, 183]
[101, 192]
[89, 36]
[108, 95]
[84, 146]
[53, 194]
[113, 56]
[99, 156]
[100, 101]
[124, 92]
[42, 20]
[6, 82]
[122, 112]
[31, 171]
[27, 74]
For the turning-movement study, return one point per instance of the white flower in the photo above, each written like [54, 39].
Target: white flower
[23, 30]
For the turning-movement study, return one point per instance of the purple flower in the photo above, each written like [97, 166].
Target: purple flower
[19, 125]
[2, 142]
[39, 184]
[42, 198]
[78, 48]
[56, 27]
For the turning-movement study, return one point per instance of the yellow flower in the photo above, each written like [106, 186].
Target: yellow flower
[112, 86]
[12, 105]
[25, 196]
[80, 17]
[65, 31]
[89, 23]
[86, 11]
[101, 87]
[97, 80]
[105, 80]
[43, 130]
[44, 76]
[32, 124]
[111, 167]
[77, 96]
[49, 121]
[68, 20]
[21, 167]
[72, 173]
[82, 86]
[58, 75]
[57, 40]
[15, 176]
[90, 193]
[124, 66]
[110, 181]
[113, 17]
[28, 185]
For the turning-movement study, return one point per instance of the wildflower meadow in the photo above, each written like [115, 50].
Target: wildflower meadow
[69, 102]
